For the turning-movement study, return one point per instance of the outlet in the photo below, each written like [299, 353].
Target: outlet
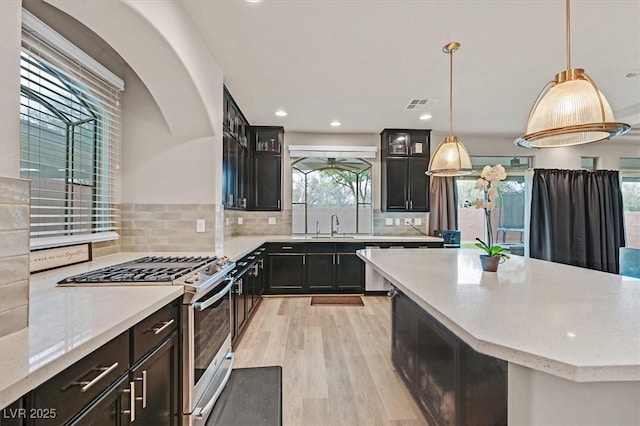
[240, 221]
[226, 221]
[388, 221]
[407, 221]
[417, 221]
[271, 221]
[397, 221]
[200, 225]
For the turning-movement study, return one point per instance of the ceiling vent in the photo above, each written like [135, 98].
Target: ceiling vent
[421, 104]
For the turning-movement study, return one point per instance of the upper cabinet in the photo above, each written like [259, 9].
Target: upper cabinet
[251, 161]
[235, 155]
[404, 161]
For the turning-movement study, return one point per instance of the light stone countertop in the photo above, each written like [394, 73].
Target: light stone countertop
[68, 323]
[239, 246]
[571, 322]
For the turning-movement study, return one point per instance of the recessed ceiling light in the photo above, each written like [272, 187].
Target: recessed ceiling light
[281, 113]
[425, 116]
[633, 74]
[336, 123]
[254, 1]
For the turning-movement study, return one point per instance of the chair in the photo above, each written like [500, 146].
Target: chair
[511, 215]
[630, 262]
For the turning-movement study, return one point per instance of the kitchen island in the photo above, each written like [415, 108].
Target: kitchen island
[570, 336]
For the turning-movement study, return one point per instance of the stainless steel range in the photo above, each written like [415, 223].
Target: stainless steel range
[205, 316]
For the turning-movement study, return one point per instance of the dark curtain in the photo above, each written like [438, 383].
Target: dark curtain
[577, 218]
[443, 202]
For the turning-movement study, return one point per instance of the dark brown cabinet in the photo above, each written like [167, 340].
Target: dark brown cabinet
[266, 179]
[156, 381]
[320, 267]
[134, 378]
[404, 161]
[248, 288]
[452, 383]
[251, 162]
[235, 156]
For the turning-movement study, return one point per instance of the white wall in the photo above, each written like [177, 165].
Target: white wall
[10, 33]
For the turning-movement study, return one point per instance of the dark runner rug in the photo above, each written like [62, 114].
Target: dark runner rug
[336, 301]
[252, 397]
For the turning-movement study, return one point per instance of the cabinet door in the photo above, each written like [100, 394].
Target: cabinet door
[349, 272]
[320, 272]
[240, 303]
[398, 143]
[112, 409]
[286, 273]
[404, 349]
[156, 385]
[266, 182]
[419, 143]
[242, 178]
[418, 185]
[396, 184]
[230, 171]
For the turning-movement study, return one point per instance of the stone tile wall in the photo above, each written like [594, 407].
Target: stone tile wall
[256, 223]
[14, 254]
[168, 227]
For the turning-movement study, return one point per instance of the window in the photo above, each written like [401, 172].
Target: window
[322, 187]
[69, 145]
[589, 163]
[630, 172]
[508, 217]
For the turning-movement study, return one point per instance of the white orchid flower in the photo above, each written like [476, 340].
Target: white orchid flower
[492, 193]
[486, 172]
[481, 183]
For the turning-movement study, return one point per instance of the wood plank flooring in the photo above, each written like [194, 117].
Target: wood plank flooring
[336, 362]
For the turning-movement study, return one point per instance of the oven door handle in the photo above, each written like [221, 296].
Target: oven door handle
[200, 306]
[203, 412]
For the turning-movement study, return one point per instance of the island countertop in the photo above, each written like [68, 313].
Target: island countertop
[574, 323]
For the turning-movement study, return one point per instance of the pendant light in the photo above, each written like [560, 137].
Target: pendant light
[570, 110]
[450, 158]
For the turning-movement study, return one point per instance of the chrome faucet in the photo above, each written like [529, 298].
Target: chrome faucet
[333, 231]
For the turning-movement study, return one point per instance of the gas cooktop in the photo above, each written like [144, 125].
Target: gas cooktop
[150, 270]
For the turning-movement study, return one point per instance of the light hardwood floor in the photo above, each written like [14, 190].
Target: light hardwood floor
[336, 362]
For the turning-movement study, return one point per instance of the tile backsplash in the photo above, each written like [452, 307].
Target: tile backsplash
[167, 227]
[14, 254]
[257, 223]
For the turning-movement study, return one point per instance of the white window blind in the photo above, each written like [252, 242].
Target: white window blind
[69, 144]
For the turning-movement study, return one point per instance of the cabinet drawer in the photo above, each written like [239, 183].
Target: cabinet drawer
[286, 248]
[348, 247]
[74, 388]
[151, 331]
[321, 248]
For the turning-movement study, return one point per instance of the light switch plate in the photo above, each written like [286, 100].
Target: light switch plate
[397, 221]
[240, 221]
[272, 221]
[388, 221]
[417, 221]
[200, 225]
[407, 221]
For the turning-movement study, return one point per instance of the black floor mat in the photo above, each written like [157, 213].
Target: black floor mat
[252, 396]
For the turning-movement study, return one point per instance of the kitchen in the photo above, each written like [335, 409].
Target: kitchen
[170, 176]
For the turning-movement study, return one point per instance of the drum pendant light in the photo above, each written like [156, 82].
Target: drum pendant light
[570, 110]
[450, 158]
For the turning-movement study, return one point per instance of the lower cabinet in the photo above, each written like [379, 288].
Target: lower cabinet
[132, 379]
[319, 267]
[452, 383]
[248, 289]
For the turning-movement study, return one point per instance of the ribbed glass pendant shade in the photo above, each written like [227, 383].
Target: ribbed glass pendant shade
[450, 159]
[570, 112]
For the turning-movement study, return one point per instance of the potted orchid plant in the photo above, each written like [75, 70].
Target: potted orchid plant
[487, 182]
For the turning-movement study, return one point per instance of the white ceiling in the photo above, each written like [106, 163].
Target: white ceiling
[361, 62]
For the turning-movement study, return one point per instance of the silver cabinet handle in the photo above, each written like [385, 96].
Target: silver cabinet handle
[143, 398]
[261, 263]
[392, 293]
[338, 259]
[304, 259]
[334, 259]
[86, 385]
[278, 204]
[240, 287]
[406, 205]
[132, 401]
[287, 248]
[165, 324]
[411, 205]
